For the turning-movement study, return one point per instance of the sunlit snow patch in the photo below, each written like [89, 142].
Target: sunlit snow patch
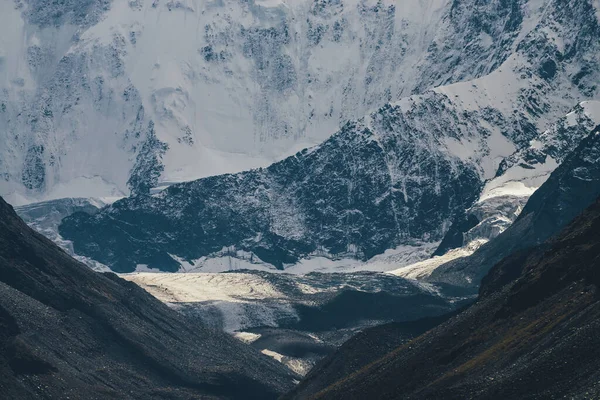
[423, 269]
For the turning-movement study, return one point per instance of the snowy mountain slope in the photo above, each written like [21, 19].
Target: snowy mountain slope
[492, 213]
[504, 197]
[369, 188]
[519, 176]
[104, 97]
[551, 68]
[525, 171]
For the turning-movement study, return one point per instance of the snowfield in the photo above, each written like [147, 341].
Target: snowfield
[390, 259]
[238, 301]
[228, 86]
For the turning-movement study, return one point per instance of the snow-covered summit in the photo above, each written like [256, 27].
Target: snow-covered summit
[102, 97]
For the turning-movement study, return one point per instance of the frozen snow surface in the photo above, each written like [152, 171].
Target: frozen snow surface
[225, 85]
[230, 260]
[423, 269]
[238, 301]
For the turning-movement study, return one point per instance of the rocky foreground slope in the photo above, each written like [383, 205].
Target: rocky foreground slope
[69, 332]
[531, 335]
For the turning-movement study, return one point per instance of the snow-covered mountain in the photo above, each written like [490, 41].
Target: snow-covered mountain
[122, 105]
[104, 97]
[402, 174]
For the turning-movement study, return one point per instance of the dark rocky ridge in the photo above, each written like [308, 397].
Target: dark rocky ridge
[369, 188]
[68, 332]
[531, 335]
[364, 348]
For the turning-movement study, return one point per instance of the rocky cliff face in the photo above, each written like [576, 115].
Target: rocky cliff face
[370, 187]
[363, 191]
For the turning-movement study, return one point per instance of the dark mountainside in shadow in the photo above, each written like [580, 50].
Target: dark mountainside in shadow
[69, 332]
[364, 348]
[533, 334]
